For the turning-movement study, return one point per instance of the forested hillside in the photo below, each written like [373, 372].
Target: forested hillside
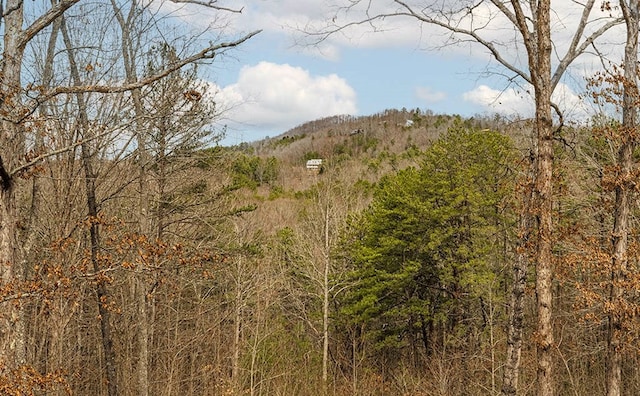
[420, 254]
[387, 271]
[393, 265]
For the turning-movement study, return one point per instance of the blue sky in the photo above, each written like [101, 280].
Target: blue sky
[380, 79]
[271, 85]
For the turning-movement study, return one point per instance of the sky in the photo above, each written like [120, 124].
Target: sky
[277, 80]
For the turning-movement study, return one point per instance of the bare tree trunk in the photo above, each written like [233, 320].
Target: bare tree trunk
[544, 256]
[16, 37]
[540, 68]
[516, 304]
[102, 292]
[144, 218]
[618, 269]
[620, 236]
[12, 348]
[237, 327]
[12, 345]
[325, 301]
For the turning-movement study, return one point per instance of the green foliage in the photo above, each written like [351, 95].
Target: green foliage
[285, 141]
[312, 193]
[417, 119]
[425, 248]
[276, 192]
[210, 157]
[363, 186]
[363, 142]
[440, 121]
[242, 209]
[342, 149]
[252, 171]
[310, 155]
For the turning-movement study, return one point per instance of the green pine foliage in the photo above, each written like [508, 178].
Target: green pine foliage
[253, 171]
[427, 251]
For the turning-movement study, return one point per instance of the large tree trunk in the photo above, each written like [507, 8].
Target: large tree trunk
[543, 199]
[620, 236]
[12, 344]
[12, 347]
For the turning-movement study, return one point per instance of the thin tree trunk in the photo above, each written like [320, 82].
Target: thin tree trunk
[516, 326]
[620, 234]
[102, 292]
[237, 327]
[516, 304]
[325, 302]
[144, 218]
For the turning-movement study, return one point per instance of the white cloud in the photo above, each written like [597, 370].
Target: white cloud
[508, 102]
[280, 96]
[292, 16]
[520, 102]
[429, 96]
[573, 106]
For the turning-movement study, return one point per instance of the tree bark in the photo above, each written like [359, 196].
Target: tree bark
[623, 189]
[237, 324]
[539, 46]
[540, 69]
[12, 345]
[12, 333]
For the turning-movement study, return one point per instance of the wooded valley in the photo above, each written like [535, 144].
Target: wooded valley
[388, 271]
[420, 254]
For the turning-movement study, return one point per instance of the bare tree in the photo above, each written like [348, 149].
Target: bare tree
[623, 190]
[12, 141]
[17, 103]
[532, 25]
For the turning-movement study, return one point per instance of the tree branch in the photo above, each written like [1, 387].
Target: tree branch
[207, 53]
[574, 52]
[44, 21]
[209, 4]
[464, 32]
[44, 156]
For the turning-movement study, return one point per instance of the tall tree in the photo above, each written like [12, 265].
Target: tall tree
[12, 140]
[17, 103]
[624, 187]
[532, 23]
[309, 256]
[426, 251]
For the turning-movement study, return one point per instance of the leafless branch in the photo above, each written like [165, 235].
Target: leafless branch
[209, 4]
[44, 21]
[46, 155]
[207, 53]
[515, 15]
[576, 50]
[422, 17]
